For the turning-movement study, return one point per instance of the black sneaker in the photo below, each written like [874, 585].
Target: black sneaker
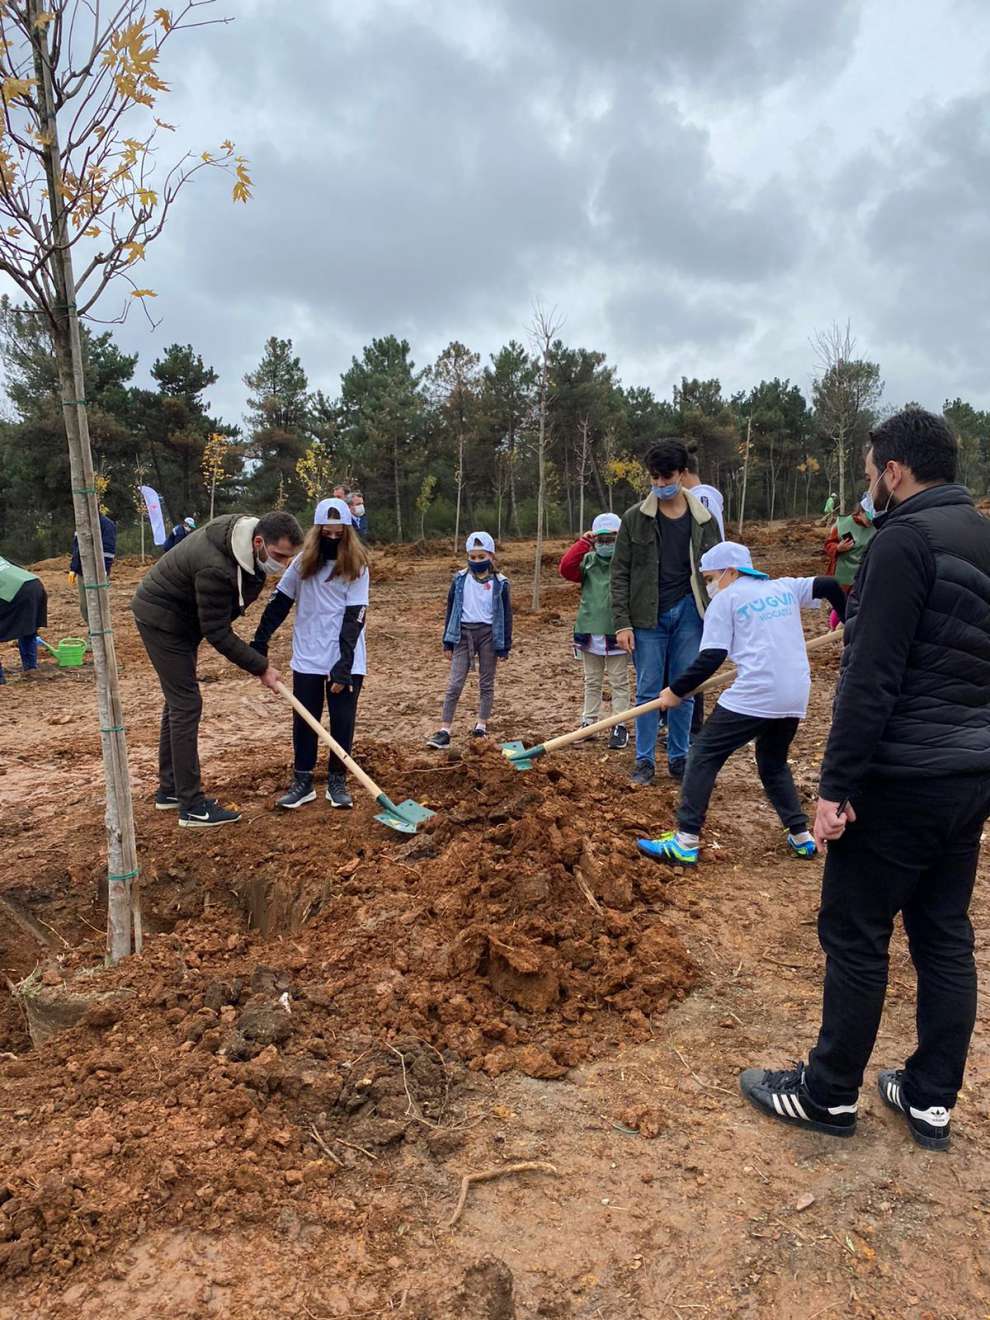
[440, 740]
[784, 1096]
[619, 738]
[929, 1127]
[479, 732]
[337, 794]
[207, 812]
[676, 768]
[300, 792]
[644, 773]
[166, 801]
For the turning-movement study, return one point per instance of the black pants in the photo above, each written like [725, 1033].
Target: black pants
[913, 849]
[724, 733]
[311, 689]
[178, 742]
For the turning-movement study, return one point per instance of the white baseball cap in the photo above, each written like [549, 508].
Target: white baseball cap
[322, 515]
[190, 523]
[730, 554]
[605, 524]
[480, 541]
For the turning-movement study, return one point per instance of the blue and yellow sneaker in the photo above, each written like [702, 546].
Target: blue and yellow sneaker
[803, 847]
[667, 849]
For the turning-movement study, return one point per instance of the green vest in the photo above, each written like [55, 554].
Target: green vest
[12, 579]
[847, 565]
[595, 611]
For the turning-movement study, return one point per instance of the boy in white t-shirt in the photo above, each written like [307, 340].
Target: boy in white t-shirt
[755, 623]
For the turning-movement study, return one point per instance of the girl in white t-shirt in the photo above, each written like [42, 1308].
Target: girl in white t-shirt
[328, 583]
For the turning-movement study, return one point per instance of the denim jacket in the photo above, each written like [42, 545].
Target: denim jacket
[501, 614]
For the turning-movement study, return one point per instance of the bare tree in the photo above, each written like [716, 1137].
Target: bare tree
[79, 174]
[745, 477]
[845, 393]
[583, 465]
[543, 330]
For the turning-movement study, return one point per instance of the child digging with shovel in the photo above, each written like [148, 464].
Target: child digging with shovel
[589, 562]
[477, 625]
[756, 623]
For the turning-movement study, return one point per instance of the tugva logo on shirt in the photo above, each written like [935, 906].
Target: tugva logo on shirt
[765, 608]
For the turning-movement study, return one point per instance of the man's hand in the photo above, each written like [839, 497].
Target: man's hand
[668, 700]
[831, 819]
[626, 640]
[270, 678]
[448, 655]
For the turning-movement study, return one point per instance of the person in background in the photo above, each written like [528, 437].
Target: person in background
[108, 534]
[23, 610]
[904, 796]
[477, 625]
[755, 623]
[195, 592]
[828, 513]
[341, 493]
[178, 533]
[355, 502]
[589, 563]
[708, 495]
[659, 598]
[329, 583]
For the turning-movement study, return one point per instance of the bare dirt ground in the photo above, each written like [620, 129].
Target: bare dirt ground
[332, 1024]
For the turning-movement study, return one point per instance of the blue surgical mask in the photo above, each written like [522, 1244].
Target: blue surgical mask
[867, 505]
[479, 566]
[606, 551]
[667, 492]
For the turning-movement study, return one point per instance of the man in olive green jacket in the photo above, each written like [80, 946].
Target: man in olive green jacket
[659, 598]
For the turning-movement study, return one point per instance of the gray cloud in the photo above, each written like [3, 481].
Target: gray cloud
[695, 186]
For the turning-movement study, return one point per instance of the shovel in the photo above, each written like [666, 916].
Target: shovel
[522, 757]
[403, 816]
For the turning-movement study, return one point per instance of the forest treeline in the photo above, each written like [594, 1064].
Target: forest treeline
[453, 442]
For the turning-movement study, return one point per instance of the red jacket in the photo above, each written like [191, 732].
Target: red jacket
[570, 565]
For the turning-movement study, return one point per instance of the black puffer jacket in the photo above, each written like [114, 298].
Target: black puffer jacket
[913, 698]
[203, 584]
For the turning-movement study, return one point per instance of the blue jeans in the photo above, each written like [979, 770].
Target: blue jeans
[670, 647]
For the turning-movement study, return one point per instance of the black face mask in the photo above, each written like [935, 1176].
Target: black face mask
[328, 547]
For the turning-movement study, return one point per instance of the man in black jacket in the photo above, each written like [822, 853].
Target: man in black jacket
[195, 592]
[904, 793]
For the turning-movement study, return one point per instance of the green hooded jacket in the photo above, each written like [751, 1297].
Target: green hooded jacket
[636, 563]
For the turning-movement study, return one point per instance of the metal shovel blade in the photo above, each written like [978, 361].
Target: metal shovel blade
[515, 760]
[405, 817]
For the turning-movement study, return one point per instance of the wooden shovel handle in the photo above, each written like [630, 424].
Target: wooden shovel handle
[716, 681]
[365, 780]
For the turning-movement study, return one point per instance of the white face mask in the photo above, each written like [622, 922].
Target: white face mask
[359, 510]
[713, 589]
[271, 566]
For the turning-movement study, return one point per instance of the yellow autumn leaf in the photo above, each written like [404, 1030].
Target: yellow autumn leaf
[14, 232]
[143, 293]
[227, 146]
[43, 19]
[206, 157]
[135, 252]
[241, 191]
[165, 18]
[12, 88]
[162, 124]
[93, 231]
[147, 197]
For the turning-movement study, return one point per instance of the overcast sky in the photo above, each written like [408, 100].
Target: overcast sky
[697, 185]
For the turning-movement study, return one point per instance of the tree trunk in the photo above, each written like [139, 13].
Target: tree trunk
[842, 467]
[142, 538]
[745, 478]
[398, 497]
[513, 501]
[602, 497]
[460, 487]
[540, 484]
[123, 906]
